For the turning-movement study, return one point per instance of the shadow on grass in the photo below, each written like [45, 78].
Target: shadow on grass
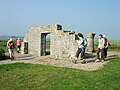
[28, 57]
[25, 58]
[111, 57]
[88, 55]
[92, 57]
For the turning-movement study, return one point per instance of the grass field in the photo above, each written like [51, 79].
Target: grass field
[20, 76]
[114, 45]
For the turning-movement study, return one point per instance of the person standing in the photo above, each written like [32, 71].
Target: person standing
[105, 45]
[101, 48]
[10, 46]
[18, 43]
[81, 48]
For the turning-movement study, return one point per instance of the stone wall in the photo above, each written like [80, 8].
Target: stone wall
[62, 42]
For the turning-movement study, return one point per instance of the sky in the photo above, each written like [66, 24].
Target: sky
[99, 16]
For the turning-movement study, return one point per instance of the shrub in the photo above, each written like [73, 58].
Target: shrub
[2, 53]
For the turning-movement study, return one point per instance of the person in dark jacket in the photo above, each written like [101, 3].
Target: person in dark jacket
[105, 45]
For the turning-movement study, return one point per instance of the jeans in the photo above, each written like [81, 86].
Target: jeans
[18, 48]
[80, 50]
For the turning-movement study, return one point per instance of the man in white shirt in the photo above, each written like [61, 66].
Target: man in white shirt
[101, 48]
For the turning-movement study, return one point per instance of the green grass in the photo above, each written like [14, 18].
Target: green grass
[112, 42]
[20, 76]
[114, 45]
[3, 45]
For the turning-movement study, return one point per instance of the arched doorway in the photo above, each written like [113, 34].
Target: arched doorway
[45, 43]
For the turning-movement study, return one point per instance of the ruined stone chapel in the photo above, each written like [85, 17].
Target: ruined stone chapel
[62, 43]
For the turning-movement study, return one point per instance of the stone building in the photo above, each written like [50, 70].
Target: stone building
[62, 43]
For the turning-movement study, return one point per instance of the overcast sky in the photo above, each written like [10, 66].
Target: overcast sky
[99, 16]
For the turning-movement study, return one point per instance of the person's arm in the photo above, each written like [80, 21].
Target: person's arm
[8, 44]
[107, 43]
[20, 43]
[76, 44]
[103, 40]
[98, 43]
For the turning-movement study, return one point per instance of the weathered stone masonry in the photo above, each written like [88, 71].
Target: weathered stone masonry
[63, 43]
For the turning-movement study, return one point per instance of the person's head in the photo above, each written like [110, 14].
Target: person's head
[18, 38]
[100, 35]
[80, 35]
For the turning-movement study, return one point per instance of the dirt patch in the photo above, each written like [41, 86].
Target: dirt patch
[62, 62]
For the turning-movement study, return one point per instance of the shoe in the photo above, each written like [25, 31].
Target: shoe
[75, 61]
[97, 60]
[102, 60]
[83, 62]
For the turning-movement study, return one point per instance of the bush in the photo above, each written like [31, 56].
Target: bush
[3, 45]
[2, 53]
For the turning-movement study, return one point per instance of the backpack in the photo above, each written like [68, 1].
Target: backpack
[106, 40]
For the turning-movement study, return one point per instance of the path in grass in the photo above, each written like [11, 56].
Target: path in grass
[50, 61]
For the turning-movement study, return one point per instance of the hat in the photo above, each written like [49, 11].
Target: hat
[10, 39]
[104, 35]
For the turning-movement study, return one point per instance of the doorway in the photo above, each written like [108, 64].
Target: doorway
[45, 43]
